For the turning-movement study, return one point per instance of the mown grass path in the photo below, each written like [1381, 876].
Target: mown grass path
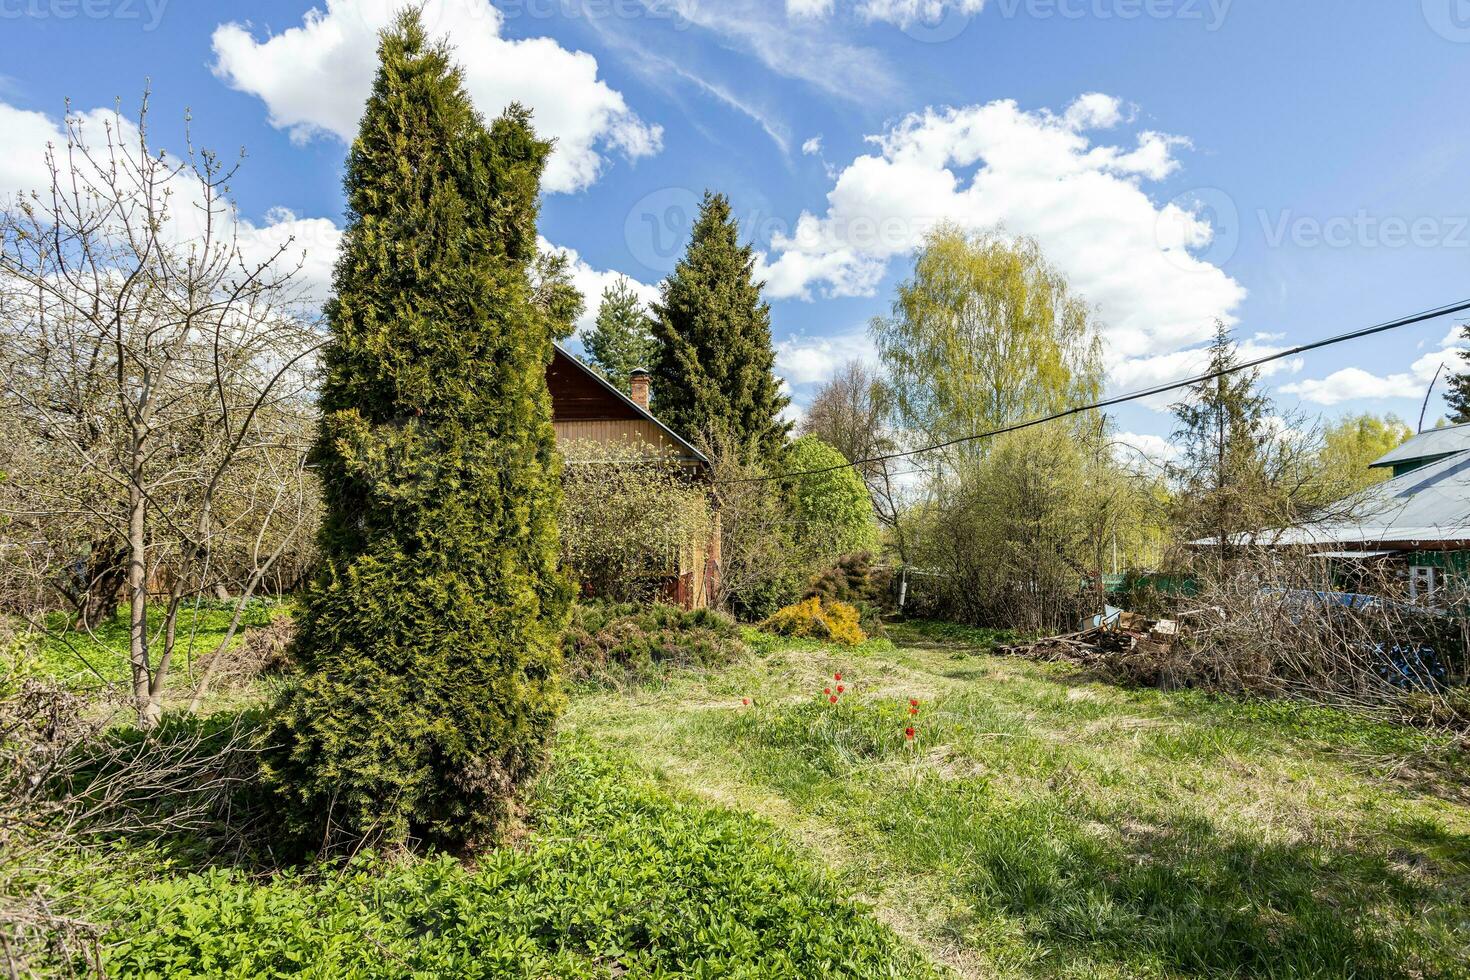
[1044, 823]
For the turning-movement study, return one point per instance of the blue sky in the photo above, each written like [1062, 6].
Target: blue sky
[1298, 168]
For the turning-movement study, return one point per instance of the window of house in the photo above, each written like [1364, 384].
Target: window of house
[1421, 582]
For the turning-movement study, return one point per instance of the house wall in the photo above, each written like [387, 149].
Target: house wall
[614, 431]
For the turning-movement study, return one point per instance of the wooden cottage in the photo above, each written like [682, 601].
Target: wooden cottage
[584, 406]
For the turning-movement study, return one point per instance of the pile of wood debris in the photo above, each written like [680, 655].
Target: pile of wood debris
[1126, 644]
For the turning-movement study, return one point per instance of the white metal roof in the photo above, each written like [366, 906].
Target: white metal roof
[1430, 444]
[1430, 505]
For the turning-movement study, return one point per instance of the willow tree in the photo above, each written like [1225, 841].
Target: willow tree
[985, 332]
[430, 643]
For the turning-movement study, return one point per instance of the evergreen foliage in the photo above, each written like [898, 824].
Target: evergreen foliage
[430, 641]
[1236, 473]
[622, 338]
[713, 372]
[1459, 394]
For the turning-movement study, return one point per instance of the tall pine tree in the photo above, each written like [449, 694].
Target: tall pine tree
[621, 340]
[430, 642]
[712, 375]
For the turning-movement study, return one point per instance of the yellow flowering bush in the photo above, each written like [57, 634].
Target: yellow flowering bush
[817, 620]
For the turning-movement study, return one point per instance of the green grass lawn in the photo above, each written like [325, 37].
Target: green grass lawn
[1042, 823]
[81, 658]
[733, 822]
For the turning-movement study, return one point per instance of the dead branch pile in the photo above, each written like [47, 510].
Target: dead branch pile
[71, 782]
[1268, 629]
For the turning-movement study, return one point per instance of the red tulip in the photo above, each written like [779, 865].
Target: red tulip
[908, 733]
[826, 690]
[833, 699]
[840, 688]
[913, 702]
[837, 677]
[913, 711]
[745, 701]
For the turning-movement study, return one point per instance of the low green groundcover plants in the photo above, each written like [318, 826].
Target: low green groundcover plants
[615, 642]
[618, 878]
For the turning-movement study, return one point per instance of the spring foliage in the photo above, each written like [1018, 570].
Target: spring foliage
[429, 644]
[632, 518]
[832, 510]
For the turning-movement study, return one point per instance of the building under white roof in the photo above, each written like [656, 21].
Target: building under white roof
[1425, 448]
[1423, 508]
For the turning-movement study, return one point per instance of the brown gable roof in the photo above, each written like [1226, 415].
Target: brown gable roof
[580, 394]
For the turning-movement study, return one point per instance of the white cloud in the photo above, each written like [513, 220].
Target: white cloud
[797, 45]
[316, 77]
[900, 12]
[808, 8]
[995, 166]
[310, 242]
[1143, 450]
[807, 360]
[590, 282]
[1353, 383]
[812, 147]
[23, 139]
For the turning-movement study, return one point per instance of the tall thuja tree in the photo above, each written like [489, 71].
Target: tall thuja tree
[429, 643]
[621, 339]
[713, 370]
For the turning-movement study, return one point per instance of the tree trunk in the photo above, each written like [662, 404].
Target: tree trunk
[148, 712]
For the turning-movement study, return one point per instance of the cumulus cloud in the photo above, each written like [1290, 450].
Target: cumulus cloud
[284, 237]
[803, 360]
[315, 78]
[997, 166]
[812, 147]
[1141, 450]
[590, 282]
[1353, 383]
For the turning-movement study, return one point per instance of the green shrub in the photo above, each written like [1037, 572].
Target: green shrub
[619, 878]
[833, 511]
[429, 644]
[817, 620]
[611, 642]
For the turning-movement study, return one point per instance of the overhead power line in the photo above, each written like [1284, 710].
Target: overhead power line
[1131, 396]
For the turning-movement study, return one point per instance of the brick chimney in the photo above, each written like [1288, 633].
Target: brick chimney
[638, 387]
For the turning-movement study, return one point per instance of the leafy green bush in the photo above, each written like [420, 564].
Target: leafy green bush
[831, 505]
[613, 642]
[619, 878]
[818, 620]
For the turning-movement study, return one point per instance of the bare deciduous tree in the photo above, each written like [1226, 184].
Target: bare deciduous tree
[149, 363]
